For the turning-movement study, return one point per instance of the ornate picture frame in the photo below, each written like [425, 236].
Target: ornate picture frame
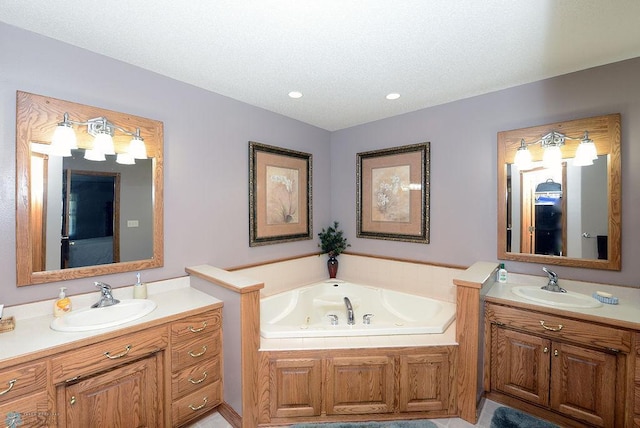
[280, 195]
[392, 198]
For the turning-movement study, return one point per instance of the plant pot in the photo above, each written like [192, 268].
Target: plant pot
[332, 265]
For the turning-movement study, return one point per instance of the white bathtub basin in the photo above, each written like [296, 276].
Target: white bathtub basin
[88, 319]
[569, 299]
[307, 312]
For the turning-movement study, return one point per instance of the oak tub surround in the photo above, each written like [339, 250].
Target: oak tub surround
[63, 379]
[409, 376]
[573, 366]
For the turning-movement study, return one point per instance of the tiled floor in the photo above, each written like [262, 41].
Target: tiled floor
[217, 421]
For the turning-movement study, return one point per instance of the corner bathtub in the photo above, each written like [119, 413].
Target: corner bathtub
[304, 312]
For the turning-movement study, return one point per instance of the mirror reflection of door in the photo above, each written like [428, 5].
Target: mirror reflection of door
[543, 220]
[90, 224]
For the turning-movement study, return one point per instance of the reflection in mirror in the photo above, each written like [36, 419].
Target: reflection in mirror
[566, 212]
[78, 217]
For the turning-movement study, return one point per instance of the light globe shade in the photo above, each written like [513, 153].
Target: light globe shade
[137, 149]
[552, 157]
[94, 155]
[104, 143]
[523, 159]
[125, 159]
[586, 153]
[63, 141]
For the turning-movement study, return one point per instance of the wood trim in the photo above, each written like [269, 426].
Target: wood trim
[230, 415]
[373, 256]
[605, 132]
[250, 359]
[467, 318]
[36, 119]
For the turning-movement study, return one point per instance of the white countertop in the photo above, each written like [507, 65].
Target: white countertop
[32, 332]
[625, 314]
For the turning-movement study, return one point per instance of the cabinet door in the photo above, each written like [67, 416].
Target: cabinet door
[520, 365]
[295, 387]
[583, 384]
[424, 382]
[360, 385]
[127, 396]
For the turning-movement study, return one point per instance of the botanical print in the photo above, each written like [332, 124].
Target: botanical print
[282, 195]
[390, 196]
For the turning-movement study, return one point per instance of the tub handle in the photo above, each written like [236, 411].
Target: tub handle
[366, 318]
[333, 318]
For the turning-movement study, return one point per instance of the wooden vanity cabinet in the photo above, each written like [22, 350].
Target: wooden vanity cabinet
[573, 368]
[326, 385]
[24, 398]
[162, 373]
[196, 360]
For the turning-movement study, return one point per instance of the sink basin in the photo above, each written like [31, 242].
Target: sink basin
[88, 319]
[552, 298]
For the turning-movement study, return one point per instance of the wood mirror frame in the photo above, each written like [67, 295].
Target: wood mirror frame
[36, 118]
[605, 132]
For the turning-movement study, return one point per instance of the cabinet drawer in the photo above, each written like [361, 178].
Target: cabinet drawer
[556, 327]
[22, 380]
[95, 358]
[194, 351]
[201, 375]
[29, 411]
[196, 326]
[196, 404]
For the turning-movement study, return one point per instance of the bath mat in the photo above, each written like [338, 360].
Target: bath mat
[505, 417]
[422, 423]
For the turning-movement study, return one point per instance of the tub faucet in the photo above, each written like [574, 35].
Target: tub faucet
[552, 285]
[106, 298]
[351, 319]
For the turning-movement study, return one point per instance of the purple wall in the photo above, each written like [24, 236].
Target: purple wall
[206, 199]
[206, 160]
[463, 137]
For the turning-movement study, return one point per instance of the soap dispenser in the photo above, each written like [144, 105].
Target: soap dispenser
[62, 305]
[140, 289]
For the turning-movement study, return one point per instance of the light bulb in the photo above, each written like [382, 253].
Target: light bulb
[523, 159]
[125, 159]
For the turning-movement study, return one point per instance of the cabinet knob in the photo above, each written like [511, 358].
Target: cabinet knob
[555, 353]
[73, 400]
[545, 350]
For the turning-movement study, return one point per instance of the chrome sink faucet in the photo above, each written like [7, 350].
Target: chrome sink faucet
[351, 320]
[552, 285]
[106, 298]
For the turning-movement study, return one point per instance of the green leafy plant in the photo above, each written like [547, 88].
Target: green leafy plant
[332, 240]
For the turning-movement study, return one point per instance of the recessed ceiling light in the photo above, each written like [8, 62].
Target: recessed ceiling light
[393, 96]
[295, 94]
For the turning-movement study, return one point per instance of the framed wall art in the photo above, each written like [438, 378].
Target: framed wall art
[393, 193]
[279, 195]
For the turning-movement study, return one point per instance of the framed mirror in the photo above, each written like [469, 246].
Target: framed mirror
[564, 212]
[77, 216]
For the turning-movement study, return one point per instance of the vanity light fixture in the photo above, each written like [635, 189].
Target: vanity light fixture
[64, 140]
[551, 143]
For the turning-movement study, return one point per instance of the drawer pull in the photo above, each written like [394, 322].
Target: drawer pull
[115, 357]
[196, 408]
[198, 330]
[10, 383]
[204, 349]
[551, 328]
[195, 382]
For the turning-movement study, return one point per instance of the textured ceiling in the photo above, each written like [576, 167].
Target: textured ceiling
[344, 55]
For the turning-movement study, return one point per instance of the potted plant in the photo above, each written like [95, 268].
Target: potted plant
[332, 242]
